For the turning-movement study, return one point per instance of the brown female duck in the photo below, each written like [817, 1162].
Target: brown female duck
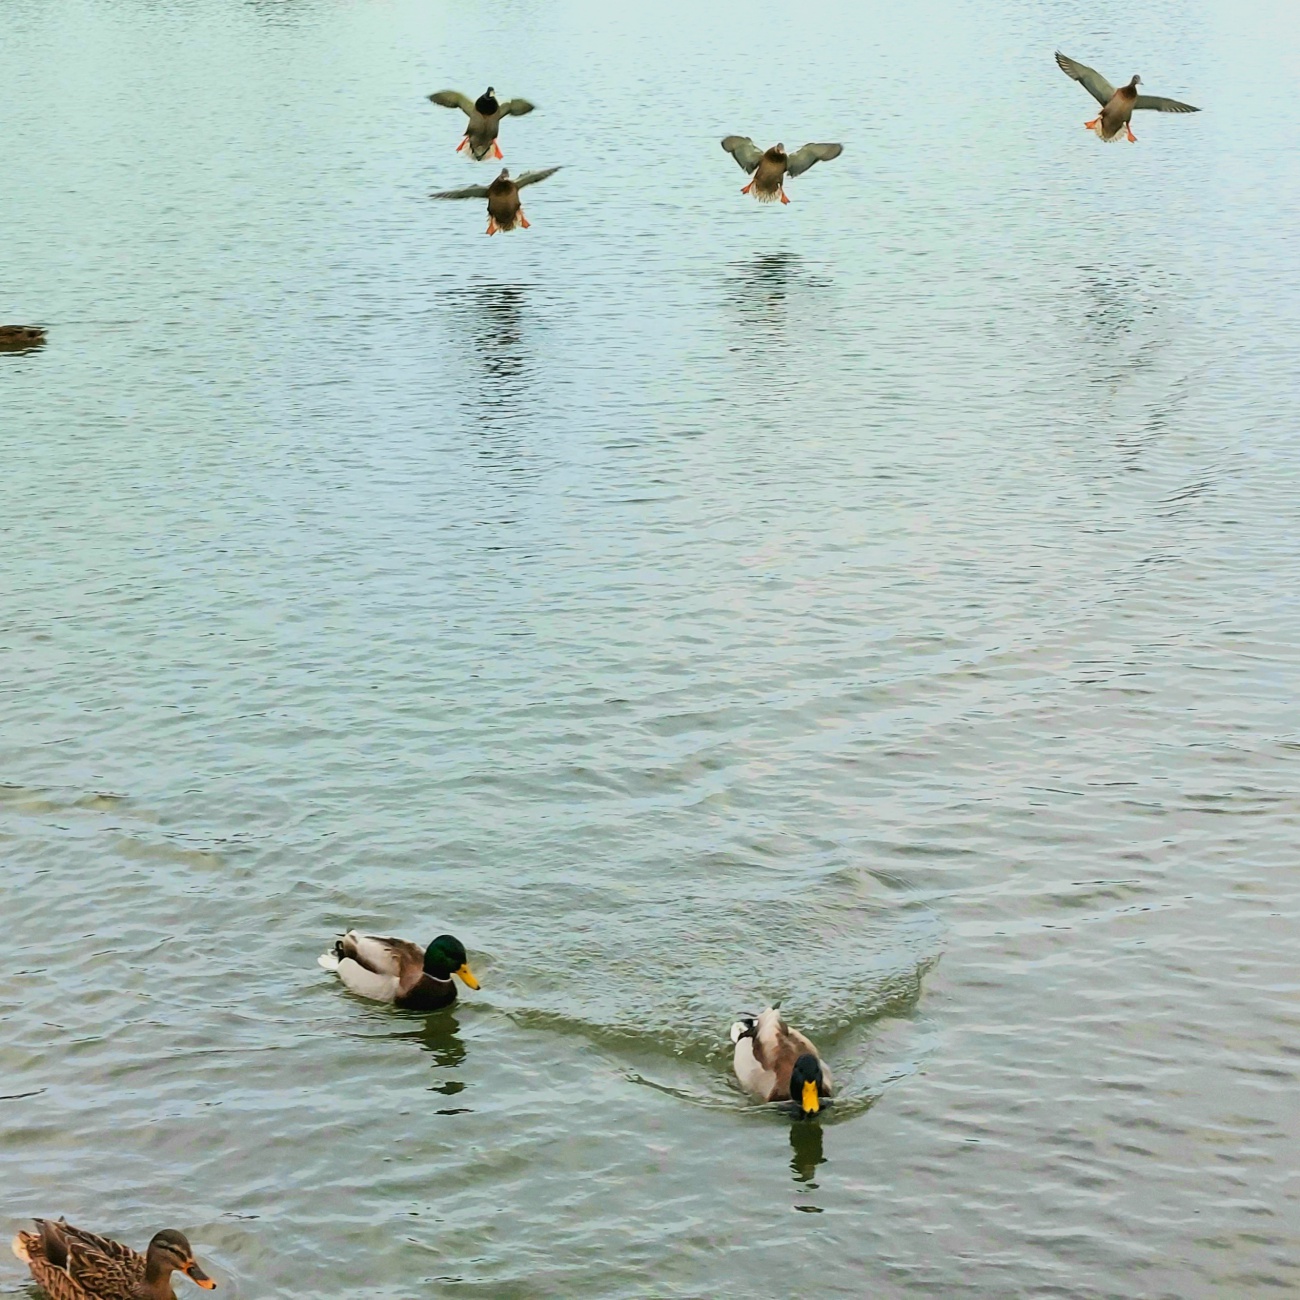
[71, 1264]
[504, 210]
[770, 168]
[485, 114]
[17, 337]
[1116, 105]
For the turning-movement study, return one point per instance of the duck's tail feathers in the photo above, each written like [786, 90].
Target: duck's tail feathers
[328, 961]
[21, 1249]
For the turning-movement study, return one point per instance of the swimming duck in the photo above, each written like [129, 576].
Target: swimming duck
[770, 168]
[397, 971]
[71, 1264]
[504, 211]
[21, 336]
[1116, 105]
[485, 114]
[777, 1063]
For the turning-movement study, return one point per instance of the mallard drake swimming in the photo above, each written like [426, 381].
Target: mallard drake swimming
[485, 114]
[397, 971]
[777, 1063]
[1116, 105]
[71, 1264]
[21, 336]
[770, 168]
[504, 210]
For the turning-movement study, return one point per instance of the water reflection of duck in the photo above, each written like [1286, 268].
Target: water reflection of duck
[397, 971]
[777, 1063]
[806, 1146]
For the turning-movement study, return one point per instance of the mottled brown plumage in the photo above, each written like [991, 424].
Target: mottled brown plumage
[18, 337]
[72, 1264]
[1117, 106]
[504, 209]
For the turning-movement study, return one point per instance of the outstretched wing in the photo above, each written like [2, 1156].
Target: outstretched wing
[469, 192]
[1089, 78]
[744, 151]
[454, 99]
[515, 108]
[531, 178]
[1163, 105]
[798, 162]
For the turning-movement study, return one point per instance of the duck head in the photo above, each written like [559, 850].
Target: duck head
[806, 1085]
[446, 956]
[170, 1252]
[487, 102]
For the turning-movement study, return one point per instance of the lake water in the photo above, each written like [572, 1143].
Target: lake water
[885, 603]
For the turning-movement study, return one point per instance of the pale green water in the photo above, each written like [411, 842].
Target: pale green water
[886, 603]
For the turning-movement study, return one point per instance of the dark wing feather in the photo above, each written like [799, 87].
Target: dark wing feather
[515, 108]
[531, 178]
[1089, 78]
[798, 162]
[454, 99]
[469, 192]
[1162, 105]
[744, 151]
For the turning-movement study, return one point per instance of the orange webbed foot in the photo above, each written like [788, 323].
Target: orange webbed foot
[523, 220]
[783, 198]
[462, 144]
[496, 150]
[1091, 126]
[492, 227]
[1132, 139]
[747, 188]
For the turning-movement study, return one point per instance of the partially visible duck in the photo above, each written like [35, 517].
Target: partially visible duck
[771, 167]
[399, 971]
[777, 1063]
[72, 1264]
[21, 336]
[1117, 106]
[485, 114]
[504, 209]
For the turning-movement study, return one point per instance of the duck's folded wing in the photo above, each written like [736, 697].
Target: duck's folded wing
[1089, 78]
[89, 1242]
[1162, 105]
[381, 954]
[99, 1272]
[744, 151]
[515, 108]
[531, 178]
[454, 99]
[798, 162]
[469, 192]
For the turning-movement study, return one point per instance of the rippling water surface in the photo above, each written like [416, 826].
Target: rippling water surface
[884, 603]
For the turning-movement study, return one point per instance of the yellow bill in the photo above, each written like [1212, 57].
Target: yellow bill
[811, 1102]
[467, 975]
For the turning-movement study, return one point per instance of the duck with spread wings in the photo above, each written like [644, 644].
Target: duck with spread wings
[485, 114]
[504, 209]
[1117, 106]
[770, 167]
